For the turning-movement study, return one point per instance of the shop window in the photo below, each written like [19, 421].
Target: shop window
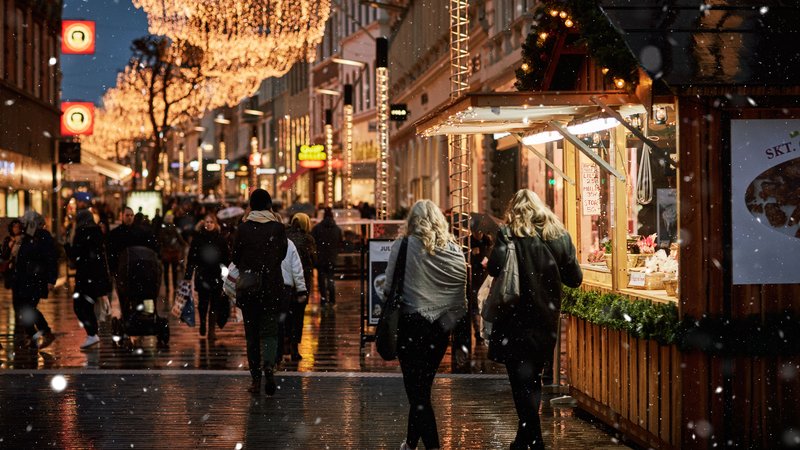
[632, 224]
[12, 204]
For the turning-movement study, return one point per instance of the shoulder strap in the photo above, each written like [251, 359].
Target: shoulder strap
[400, 266]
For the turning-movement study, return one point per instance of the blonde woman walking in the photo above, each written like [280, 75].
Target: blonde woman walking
[434, 299]
[524, 334]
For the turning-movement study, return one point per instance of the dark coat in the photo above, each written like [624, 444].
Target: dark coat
[527, 330]
[328, 237]
[208, 252]
[37, 265]
[307, 249]
[258, 250]
[91, 268]
[125, 236]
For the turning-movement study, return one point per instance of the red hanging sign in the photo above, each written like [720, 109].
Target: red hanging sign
[77, 118]
[77, 37]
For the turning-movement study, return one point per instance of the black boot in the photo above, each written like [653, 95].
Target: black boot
[255, 386]
[296, 356]
[270, 386]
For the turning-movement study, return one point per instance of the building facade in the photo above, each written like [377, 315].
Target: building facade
[29, 94]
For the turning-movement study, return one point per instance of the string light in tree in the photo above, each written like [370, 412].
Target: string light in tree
[329, 158]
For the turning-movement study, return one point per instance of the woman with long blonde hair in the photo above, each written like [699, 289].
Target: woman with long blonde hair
[433, 300]
[523, 334]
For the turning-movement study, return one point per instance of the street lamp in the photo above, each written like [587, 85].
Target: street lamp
[347, 185]
[382, 105]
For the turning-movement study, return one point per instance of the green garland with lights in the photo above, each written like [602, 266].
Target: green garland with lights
[604, 43]
[642, 319]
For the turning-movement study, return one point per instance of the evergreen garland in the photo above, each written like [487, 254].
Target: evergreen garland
[771, 335]
[642, 319]
[605, 45]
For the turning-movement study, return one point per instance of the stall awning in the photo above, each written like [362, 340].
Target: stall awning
[517, 112]
[105, 167]
[520, 113]
[293, 178]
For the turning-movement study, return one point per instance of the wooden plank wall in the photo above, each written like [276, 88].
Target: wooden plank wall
[628, 383]
[744, 399]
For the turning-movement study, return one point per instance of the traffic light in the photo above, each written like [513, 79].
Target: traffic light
[550, 178]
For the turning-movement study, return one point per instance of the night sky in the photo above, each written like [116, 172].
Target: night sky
[86, 77]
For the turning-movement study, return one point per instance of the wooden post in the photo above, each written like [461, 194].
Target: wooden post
[619, 222]
[571, 204]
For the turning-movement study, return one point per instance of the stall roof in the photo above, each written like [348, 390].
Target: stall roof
[517, 112]
[724, 42]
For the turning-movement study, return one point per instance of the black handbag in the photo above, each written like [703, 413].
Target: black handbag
[386, 333]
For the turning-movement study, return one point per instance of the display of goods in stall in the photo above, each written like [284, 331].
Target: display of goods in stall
[671, 286]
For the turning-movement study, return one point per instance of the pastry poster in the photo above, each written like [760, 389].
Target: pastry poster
[765, 189]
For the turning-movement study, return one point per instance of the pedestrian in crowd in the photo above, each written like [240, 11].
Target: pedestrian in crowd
[92, 281]
[300, 233]
[434, 300]
[207, 255]
[128, 234]
[328, 237]
[8, 254]
[259, 248]
[37, 259]
[480, 248]
[158, 220]
[524, 334]
[294, 291]
[172, 251]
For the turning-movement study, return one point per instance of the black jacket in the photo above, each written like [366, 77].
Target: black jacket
[91, 268]
[37, 265]
[527, 330]
[258, 250]
[328, 237]
[307, 249]
[207, 254]
[125, 236]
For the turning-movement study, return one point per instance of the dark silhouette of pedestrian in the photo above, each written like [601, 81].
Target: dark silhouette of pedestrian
[523, 334]
[434, 300]
[92, 281]
[207, 254]
[37, 259]
[259, 248]
[299, 233]
[328, 237]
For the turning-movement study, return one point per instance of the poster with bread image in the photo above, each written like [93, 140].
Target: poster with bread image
[765, 190]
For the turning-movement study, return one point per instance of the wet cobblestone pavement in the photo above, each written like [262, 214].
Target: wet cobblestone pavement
[193, 394]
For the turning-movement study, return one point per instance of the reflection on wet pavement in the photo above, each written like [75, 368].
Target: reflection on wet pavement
[331, 342]
[210, 409]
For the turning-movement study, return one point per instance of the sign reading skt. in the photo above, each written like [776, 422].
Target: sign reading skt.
[77, 37]
[312, 156]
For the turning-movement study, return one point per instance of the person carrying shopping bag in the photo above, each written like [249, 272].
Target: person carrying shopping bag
[433, 300]
[523, 335]
[299, 232]
[294, 292]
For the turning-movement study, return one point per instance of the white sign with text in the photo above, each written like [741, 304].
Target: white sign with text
[590, 189]
[765, 203]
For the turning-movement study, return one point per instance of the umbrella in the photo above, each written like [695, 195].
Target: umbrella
[230, 213]
[486, 223]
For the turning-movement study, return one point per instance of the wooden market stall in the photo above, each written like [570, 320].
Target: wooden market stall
[685, 211]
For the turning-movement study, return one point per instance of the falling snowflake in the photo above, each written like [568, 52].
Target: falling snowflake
[58, 383]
